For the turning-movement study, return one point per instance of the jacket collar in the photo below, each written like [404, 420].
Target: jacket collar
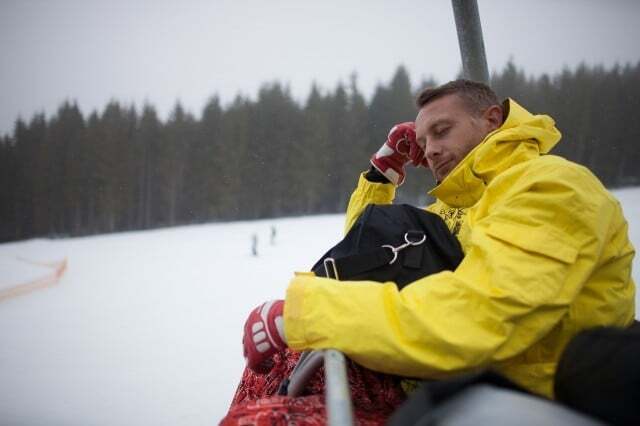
[522, 137]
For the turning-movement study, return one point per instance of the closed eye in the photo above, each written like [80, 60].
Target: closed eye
[441, 132]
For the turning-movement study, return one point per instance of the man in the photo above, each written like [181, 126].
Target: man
[546, 254]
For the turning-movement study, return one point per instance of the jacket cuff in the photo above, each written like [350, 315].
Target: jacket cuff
[374, 175]
[294, 328]
[374, 192]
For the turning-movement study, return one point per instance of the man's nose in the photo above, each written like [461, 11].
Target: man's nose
[432, 151]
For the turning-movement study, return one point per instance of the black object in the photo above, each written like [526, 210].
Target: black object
[373, 175]
[397, 242]
[391, 242]
[599, 374]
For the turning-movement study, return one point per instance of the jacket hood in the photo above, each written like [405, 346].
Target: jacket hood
[522, 137]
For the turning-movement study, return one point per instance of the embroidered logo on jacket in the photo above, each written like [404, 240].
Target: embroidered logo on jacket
[453, 217]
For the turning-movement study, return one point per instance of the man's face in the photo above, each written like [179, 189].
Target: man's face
[447, 131]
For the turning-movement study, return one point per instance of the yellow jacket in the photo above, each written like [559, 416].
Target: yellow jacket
[546, 255]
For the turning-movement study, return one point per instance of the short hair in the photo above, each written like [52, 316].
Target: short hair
[476, 96]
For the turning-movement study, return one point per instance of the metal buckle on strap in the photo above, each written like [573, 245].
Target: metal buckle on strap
[395, 250]
[330, 261]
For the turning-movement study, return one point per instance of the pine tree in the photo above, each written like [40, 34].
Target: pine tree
[9, 207]
[28, 143]
[65, 136]
[235, 136]
[148, 138]
[175, 151]
[206, 159]
[315, 158]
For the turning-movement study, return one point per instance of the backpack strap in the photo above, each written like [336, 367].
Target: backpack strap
[348, 267]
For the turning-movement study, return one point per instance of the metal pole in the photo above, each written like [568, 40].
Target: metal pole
[474, 60]
[338, 397]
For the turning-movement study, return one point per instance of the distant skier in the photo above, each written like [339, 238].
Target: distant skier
[254, 245]
[272, 239]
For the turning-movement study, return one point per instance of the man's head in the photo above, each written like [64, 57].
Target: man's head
[453, 119]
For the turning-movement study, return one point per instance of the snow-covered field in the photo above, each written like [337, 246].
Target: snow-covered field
[145, 328]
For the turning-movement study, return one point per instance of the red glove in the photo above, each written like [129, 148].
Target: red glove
[264, 335]
[398, 150]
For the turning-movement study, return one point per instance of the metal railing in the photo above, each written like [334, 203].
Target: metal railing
[474, 59]
[337, 393]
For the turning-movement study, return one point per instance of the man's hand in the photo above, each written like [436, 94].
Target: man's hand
[398, 150]
[264, 335]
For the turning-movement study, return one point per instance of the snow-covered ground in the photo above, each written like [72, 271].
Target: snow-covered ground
[144, 328]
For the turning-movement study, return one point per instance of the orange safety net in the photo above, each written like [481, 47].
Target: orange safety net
[57, 269]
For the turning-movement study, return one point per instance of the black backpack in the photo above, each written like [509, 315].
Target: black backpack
[391, 242]
[398, 243]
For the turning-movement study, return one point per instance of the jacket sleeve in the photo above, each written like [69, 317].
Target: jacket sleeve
[367, 193]
[527, 260]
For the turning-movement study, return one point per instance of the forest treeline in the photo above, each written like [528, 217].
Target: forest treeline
[124, 169]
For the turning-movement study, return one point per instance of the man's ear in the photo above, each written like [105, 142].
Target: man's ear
[493, 116]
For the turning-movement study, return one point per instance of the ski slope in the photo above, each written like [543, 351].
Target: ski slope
[144, 328]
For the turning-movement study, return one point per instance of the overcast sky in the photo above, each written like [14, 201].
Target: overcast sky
[161, 51]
